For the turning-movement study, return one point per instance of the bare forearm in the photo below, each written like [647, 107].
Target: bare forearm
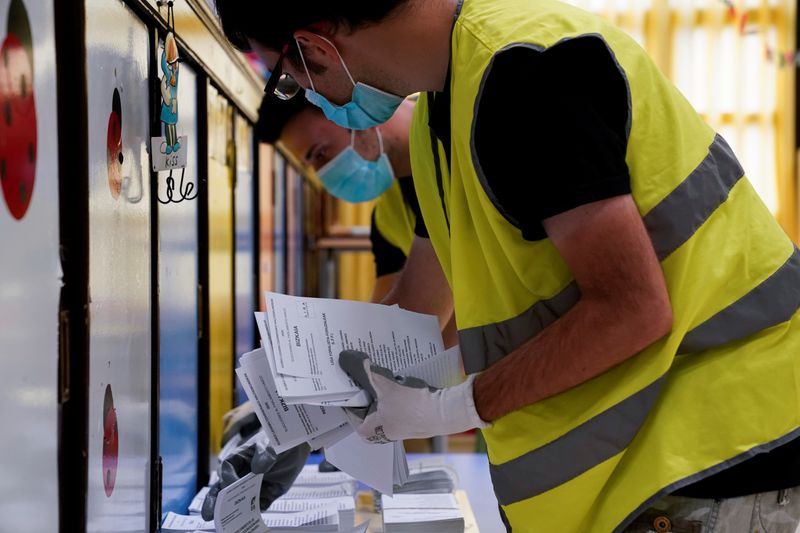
[383, 286]
[590, 339]
[422, 286]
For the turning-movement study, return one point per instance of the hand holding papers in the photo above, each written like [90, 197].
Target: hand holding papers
[408, 407]
[250, 453]
[299, 390]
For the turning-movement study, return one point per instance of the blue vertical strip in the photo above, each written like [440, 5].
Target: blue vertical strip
[178, 289]
[246, 243]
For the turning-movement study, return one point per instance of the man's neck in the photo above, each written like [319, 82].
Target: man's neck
[395, 137]
[411, 49]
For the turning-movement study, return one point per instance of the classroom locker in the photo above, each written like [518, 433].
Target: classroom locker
[120, 380]
[266, 220]
[294, 231]
[246, 282]
[220, 261]
[29, 270]
[279, 240]
[179, 249]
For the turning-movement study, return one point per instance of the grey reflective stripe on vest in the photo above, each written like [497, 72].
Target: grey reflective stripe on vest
[572, 454]
[773, 301]
[670, 224]
[483, 346]
[678, 216]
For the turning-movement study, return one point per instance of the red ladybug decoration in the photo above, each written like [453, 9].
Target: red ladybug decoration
[17, 112]
[114, 146]
[110, 443]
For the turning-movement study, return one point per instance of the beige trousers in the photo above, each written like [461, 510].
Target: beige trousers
[767, 512]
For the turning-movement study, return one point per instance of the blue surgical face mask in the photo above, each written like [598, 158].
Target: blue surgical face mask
[351, 178]
[367, 108]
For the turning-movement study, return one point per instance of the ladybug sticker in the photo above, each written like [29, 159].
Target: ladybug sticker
[17, 113]
[110, 443]
[114, 146]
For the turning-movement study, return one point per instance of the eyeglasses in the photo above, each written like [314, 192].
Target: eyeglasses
[279, 84]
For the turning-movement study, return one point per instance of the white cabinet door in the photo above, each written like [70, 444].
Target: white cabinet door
[120, 381]
[29, 268]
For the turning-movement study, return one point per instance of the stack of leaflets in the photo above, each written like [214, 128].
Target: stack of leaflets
[299, 391]
[317, 501]
[313, 488]
[429, 513]
[318, 518]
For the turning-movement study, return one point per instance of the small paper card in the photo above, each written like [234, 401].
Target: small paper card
[237, 508]
[168, 161]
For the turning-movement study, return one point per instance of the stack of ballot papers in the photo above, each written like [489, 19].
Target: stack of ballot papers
[299, 391]
[429, 513]
[430, 482]
[317, 501]
[313, 489]
[318, 518]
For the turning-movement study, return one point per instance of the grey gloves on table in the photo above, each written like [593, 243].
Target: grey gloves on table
[254, 455]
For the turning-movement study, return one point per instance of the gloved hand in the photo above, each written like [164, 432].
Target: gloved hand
[407, 408]
[254, 455]
[241, 421]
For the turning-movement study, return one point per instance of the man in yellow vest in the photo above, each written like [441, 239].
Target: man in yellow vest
[627, 306]
[396, 223]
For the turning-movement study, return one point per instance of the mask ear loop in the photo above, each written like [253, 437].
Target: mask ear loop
[303, 59]
[380, 141]
[341, 59]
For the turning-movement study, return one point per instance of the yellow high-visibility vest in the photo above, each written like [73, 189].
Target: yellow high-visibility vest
[721, 386]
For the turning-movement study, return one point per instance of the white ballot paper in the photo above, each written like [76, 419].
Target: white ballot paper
[307, 335]
[374, 464]
[331, 437]
[342, 503]
[324, 515]
[419, 501]
[177, 522]
[285, 425]
[310, 475]
[237, 507]
[440, 371]
[307, 390]
[316, 492]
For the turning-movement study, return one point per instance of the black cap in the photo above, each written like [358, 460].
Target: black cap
[275, 113]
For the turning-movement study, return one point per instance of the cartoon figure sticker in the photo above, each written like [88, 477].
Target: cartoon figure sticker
[17, 112]
[169, 150]
[110, 442]
[169, 93]
[114, 146]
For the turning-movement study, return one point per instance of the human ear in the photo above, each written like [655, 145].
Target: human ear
[316, 49]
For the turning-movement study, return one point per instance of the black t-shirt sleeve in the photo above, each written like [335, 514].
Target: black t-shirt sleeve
[551, 131]
[389, 259]
[410, 198]
[420, 230]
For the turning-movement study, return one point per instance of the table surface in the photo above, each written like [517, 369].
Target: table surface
[473, 478]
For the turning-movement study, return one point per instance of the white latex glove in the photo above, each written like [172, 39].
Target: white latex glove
[407, 408]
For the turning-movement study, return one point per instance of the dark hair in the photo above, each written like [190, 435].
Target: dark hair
[275, 113]
[272, 23]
